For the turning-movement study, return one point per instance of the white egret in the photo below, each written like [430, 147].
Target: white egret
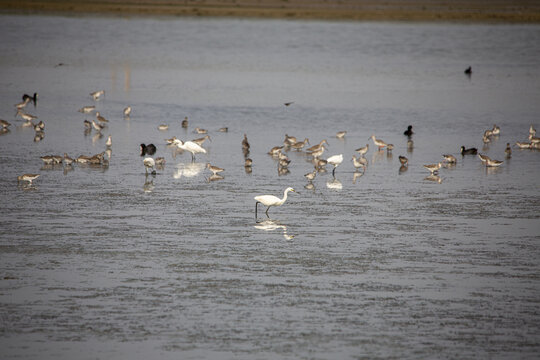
[271, 200]
[335, 160]
[190, 146]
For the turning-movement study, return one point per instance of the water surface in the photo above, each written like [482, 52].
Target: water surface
[104, 262]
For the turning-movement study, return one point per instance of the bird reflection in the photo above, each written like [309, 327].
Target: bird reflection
[188, 169]
[215, 177]
[377, 156]
[309, 186]
[148, 186]
[434, 178]
[357, 175]
[334, 184]
[271, 225]
[403, 168]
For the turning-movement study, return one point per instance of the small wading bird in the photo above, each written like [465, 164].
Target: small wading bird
[381, 144]
[97, 94]
[27, 177]
[403, 160]
[271, 200]
[127, 111]
[190, 146]
[214, 169]
[433, 168]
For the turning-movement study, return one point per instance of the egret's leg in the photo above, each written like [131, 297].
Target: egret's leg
[334, 172]
[256, 203]
[268, 208]
[192, 157]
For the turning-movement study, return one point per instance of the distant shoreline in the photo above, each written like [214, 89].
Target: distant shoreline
[471, 11]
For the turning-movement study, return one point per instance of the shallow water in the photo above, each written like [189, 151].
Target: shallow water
[105, 262]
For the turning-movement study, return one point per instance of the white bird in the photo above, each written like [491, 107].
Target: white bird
[271, 200]
[86, 109]
[127, 111]
[109, 141]
[190, 146]
[149, 163]
[335, 160]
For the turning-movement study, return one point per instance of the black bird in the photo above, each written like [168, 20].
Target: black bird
[31, 98]
[409, 131]
[149, 149]
[468, 71]
[470, 151]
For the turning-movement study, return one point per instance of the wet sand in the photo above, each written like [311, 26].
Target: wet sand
[521, 11]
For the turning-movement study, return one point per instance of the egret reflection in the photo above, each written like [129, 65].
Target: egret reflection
[334, 184]
[188, 169]
[271, 225]
[148, 186]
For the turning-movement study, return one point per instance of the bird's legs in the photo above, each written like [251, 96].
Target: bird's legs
[268, 208]
[334, 172]
[256, 203]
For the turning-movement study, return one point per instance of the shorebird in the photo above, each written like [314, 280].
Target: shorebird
[341, 134]
[483, 157]
[532, 131]
[409, 131]
[289, 103]
[47, 159]
[190, 146]
[4, 123]
[171, 140]
[97, 94]
[160, 161]
[318, 146]
[363, 150]
[311, 175]
[25, 116]
[496, 130]
[508, 150]
[358, 164]
[289, 140]
[317, 153]
[163, 127]
[271, 200]
[248, 162]
[127, 111]
[185, 123]
[149, 163]
[433, 168]
[108, 143]
[100, 118]
[533, 139]
[389, 147]
[275, 150]
[87, 124]
[493, 163]
[200, 141]
[200, 131]
[223, 129]
[245, 143]
[381, 144]
[470, 151]
[335, 160]
[149, 149]
[27, 177]
[451, 159]
[403, 160]
[97, 126]
[300, 144]
[22, 104]
[214, 169]
[67, 159]
[87, 109]
[523, 145]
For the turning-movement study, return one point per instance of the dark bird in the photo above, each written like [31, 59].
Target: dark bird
[470, 151]
[149, 149]
[468, 71]
[33, 99]
[289, 103]
[409, 131]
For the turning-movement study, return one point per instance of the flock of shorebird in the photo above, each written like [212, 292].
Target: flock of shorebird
[195, 147]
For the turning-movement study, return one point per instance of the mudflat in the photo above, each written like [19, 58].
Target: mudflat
[520, 11]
